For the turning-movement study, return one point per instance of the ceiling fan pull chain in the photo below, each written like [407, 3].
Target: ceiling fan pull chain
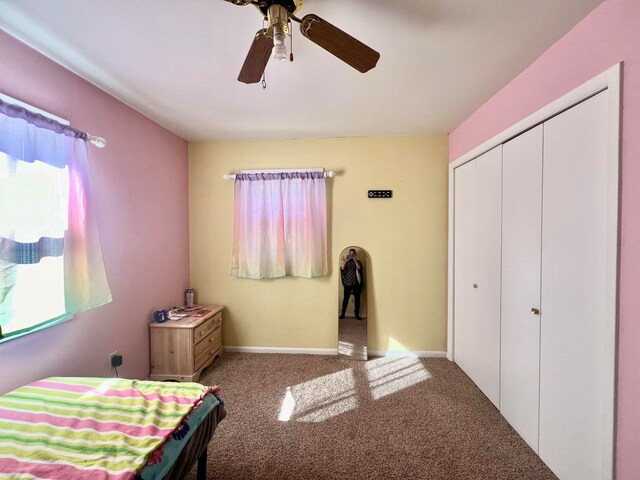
[264, 72]
[291, 41]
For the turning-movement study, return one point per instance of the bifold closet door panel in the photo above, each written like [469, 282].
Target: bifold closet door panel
[575, 440]
[488, 255]
[477, 218]
[521, 250]
[464, 298]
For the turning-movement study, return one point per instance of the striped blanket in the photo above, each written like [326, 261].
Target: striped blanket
[89, 428]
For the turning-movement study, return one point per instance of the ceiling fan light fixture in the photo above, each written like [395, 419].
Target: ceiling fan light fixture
[278, 30]
[279, 48]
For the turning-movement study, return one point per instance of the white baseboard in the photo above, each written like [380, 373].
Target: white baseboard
[334, 351]
[303, 351]
[407, 353]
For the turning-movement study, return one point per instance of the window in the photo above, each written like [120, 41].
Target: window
[280, 225]
[50, 259]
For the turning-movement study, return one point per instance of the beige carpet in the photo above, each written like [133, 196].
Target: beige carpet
[317, 417]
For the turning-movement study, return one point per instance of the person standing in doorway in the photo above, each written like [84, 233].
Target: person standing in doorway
[351, 273]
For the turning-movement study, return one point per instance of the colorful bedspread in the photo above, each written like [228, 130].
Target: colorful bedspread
[89, 428]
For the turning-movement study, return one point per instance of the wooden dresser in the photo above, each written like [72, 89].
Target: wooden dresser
[181, 349]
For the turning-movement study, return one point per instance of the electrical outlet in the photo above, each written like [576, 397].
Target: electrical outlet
[115, 360]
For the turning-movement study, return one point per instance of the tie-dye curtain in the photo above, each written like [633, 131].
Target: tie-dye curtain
[50, 257]
[280, 225]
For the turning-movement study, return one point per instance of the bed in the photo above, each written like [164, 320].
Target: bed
[105, 428]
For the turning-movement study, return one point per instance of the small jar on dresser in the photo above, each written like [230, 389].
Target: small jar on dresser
[181, 349]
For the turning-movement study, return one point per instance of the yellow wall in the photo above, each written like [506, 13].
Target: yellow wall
[406, 238]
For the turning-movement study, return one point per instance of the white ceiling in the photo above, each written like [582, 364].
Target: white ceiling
[177, 61]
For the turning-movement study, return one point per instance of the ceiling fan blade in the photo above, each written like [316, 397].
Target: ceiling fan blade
[257, 58]
[339, 43]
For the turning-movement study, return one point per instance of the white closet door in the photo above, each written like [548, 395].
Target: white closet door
[477, 220]
[575, 365]
[521, 250]
[464, 248]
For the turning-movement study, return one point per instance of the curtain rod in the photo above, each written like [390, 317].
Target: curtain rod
[99, 142]
[328, 173]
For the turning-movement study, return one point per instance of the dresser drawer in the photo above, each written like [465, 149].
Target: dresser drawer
[202, 330]
[206, 354]
[213, 339]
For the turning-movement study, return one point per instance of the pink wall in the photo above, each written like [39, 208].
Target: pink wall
[141, 192]
[610, 34]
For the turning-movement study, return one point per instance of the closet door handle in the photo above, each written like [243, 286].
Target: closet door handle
[535, 311]
[475, 285]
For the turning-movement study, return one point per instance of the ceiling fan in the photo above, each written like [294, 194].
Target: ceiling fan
[278, 14]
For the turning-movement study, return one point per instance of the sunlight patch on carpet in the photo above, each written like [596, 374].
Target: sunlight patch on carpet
[320, 399]
[389, 375]
[288, 406]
